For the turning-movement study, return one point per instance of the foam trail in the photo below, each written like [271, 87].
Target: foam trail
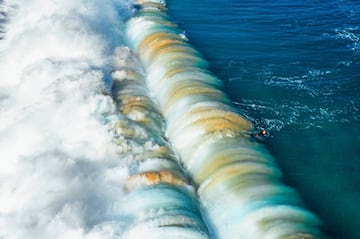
[160, 202]
[239, 183]
[76, 163]
[60, 175]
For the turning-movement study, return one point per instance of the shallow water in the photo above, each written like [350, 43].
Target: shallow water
[293, 68]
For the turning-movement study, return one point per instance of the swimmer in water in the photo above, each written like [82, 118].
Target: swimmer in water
[261, 135]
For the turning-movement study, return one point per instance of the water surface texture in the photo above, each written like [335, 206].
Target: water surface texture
[293, 67]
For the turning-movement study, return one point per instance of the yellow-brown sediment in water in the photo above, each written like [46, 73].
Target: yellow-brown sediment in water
[155, 172]
[299, 236]
[208, 113]
[188, 91]
[157, 39]
[203, 126]
[152, 178]
[171, 49]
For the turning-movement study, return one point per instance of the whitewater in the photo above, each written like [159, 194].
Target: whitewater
[84, 146]
[60, 176]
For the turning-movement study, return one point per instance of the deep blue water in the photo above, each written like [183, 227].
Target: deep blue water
[293, 67]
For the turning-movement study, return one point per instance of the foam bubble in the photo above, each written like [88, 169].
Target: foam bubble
[60, 176]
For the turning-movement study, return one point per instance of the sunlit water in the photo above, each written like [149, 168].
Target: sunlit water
[291, 67]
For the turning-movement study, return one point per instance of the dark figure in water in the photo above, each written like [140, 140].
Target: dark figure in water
[261, 135]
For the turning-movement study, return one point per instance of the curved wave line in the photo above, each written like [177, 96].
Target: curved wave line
[238, 182]
[160, 201]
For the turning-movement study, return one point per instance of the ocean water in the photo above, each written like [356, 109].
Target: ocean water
[290, 67]
[293, 67]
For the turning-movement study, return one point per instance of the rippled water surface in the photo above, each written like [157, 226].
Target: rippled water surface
[293, 67]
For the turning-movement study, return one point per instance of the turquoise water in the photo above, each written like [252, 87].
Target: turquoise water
[291, 67]
[294, 69]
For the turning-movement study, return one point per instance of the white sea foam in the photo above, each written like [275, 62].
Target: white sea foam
[350, 34]
[59, 174]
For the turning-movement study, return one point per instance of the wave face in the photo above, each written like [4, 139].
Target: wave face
[159, 201]
[83, 151]
[293, 67]
[238, 182]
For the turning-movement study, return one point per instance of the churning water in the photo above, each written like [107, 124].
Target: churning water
[292, 67]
